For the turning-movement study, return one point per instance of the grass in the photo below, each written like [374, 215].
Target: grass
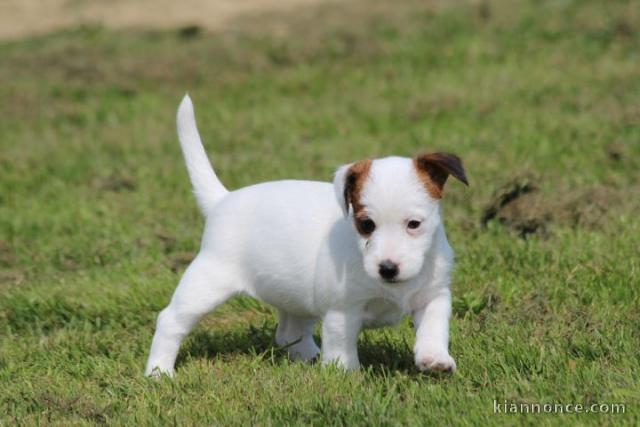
[97, 221]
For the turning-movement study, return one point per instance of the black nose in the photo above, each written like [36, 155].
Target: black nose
[388, 270]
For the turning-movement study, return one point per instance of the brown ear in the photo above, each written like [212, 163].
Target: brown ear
[354, 179]
[434, 169]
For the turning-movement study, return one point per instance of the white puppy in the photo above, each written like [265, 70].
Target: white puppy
[363, 252]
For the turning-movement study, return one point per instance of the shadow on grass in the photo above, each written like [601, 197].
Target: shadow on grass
[380, 354]
[255, 340]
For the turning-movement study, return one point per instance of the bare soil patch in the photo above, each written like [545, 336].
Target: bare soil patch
[520, 206]
[23, 18]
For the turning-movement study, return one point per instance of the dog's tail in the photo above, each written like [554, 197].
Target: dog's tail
[206, 185]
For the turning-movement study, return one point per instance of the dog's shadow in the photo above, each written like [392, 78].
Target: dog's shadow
[378, 354]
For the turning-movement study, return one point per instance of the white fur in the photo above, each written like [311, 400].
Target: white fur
[290, 244]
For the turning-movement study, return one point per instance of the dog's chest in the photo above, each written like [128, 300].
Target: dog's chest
[382, 312]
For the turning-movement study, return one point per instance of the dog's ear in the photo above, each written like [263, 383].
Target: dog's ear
[434, 169]
[348, 182]
[339, 186]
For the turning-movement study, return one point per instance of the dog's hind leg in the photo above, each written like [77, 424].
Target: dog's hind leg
[297, 333]
[203, 287]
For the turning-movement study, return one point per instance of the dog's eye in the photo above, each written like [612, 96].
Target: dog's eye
[413, 224]
[366, 225]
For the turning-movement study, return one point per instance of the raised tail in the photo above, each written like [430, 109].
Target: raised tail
[206, 185]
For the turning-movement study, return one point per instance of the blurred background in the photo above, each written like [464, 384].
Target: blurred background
[23, 18]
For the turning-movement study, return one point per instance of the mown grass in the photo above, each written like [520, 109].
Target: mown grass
[97, 220]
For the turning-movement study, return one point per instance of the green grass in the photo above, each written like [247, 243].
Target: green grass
[97, 220]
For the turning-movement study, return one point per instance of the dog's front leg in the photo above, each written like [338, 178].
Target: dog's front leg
[432, 333]
[340, 329]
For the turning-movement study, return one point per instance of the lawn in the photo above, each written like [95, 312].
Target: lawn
[541, 99]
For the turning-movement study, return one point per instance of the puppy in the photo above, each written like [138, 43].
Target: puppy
[360, 253]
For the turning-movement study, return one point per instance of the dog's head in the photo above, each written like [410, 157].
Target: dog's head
[394, 205]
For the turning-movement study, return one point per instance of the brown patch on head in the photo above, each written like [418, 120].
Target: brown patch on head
[354, 181]
[434, 169]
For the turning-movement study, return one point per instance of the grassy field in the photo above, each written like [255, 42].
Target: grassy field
[541, 100]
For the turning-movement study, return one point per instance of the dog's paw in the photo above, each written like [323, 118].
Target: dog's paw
[157, 373]
[345, 362]
[435, 362]
[305, 351]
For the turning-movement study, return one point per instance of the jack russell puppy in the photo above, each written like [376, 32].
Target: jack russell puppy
[361, 253]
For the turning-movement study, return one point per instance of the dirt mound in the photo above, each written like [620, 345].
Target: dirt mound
[520, 206]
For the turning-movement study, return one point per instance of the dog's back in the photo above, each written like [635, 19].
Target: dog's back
[272, 233]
